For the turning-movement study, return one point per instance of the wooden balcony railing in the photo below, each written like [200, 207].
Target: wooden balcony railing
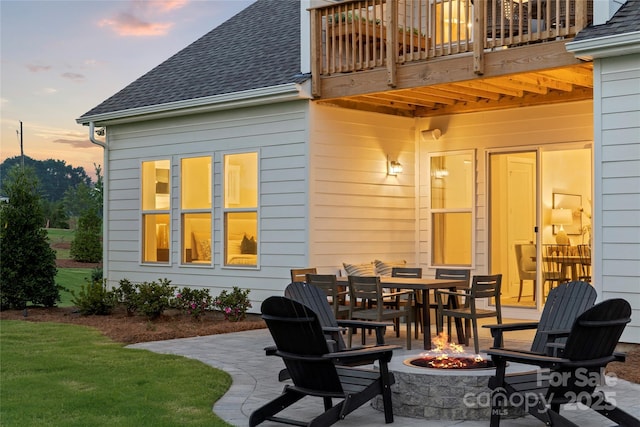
[358, 35]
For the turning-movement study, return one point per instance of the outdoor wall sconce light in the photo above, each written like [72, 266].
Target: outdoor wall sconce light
[428, 134]
[393, 167]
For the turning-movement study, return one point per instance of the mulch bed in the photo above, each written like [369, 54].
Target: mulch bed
[132, 329]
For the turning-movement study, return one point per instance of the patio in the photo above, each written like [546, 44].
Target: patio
[255, 379]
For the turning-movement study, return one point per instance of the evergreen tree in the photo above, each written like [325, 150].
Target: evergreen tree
[27, 263]
[87, 244]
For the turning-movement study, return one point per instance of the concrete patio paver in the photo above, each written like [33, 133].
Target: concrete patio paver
[254, 375]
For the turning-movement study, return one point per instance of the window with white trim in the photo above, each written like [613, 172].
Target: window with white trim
[195, 206]
[156, 217]
[452, 208]
[240, 209]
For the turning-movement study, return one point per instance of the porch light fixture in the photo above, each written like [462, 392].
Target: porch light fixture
[428, 134]
[561, 217]
[393, 167]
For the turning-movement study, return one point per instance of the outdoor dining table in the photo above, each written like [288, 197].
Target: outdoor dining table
[426, 285]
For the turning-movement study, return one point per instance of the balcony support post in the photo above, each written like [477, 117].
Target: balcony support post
[316, 53]
[392, 42]
[478, 37]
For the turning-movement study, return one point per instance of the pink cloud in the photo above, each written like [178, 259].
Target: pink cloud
[126, 24]
[141, 19]
[37, 68]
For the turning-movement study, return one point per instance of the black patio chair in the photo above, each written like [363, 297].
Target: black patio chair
[564, 303]
[317, 372]
[316, 299]
[589, 348]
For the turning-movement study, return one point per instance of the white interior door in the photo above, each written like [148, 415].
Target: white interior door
[513, 219]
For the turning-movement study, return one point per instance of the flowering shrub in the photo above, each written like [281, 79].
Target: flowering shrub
[194, 302]
[233, 304]
[154, 297]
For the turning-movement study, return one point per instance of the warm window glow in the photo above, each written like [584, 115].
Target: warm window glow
[241, 180]
[195, 190]
[241, 240]
[195, 179]
[452, 209]
[156, 199]
[156, 238]
[241, 209]
[155, 185]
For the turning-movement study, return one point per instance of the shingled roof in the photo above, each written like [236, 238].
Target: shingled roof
[257, 48]
[625, 20]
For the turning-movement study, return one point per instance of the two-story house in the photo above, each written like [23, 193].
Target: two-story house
[440, 133]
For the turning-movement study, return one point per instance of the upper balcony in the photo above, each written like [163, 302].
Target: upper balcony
[366, 52]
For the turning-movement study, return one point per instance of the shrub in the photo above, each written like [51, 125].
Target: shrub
[194, 302]
[154, 298]
[94, 298]
[96, 274]
[127, 295]
[28, 267]
[234, 305]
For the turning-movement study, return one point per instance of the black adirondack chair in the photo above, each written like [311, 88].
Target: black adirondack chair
[589, 348]
[316, 299]
[315, 371]
[564, 304]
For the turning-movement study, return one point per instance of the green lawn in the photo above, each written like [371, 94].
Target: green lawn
[67, 375]
[59, 235]
[71, 279]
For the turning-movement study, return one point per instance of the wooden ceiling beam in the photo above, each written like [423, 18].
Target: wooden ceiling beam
[512, 83]
[394, 97]
[448, 91]
[480, 93]
[579, 94]
[543, 80]
[423, 97]
[567, 76]
[492, 86]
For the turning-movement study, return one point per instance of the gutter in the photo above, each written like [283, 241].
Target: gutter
[606, 46]
[248, 98]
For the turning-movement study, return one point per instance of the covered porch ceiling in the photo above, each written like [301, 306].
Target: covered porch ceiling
[554, 85]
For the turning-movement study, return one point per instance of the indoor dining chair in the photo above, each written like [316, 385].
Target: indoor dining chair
[525, 258]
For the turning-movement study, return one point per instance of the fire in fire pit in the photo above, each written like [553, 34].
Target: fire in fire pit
[448, 355]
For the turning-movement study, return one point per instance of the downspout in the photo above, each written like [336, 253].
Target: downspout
[105, 207]
[92, 138]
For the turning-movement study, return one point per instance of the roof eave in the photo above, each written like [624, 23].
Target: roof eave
[227, 101]
[607, 46]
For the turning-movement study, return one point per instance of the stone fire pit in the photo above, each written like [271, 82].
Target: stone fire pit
[443, 394]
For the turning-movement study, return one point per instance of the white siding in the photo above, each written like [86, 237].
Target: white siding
[617, 183]
[278, 132]
[357, 212]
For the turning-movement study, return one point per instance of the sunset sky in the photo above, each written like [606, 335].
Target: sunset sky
[59, 59]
